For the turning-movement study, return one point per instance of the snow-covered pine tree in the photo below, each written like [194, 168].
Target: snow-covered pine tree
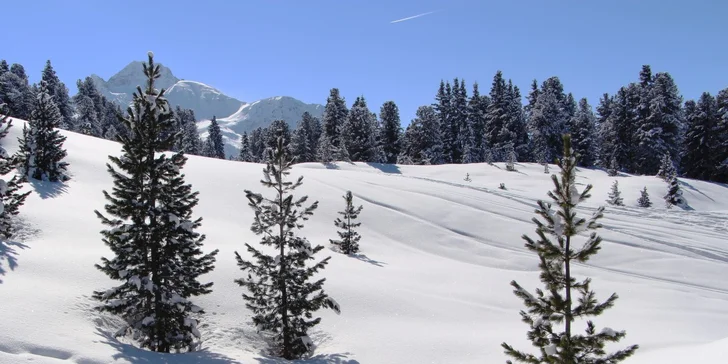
[313, 128]
[511, 158]
[358, 132]
[701, 139]
[335, 114]
[674, 196]
[158, 254]
[721, 150]
[582, 127]
[391, 131]
[644, 200]
[660, 133]
[10, 196]
[615, 196]
[667, 168]
[460, 129]
[15, 92]
[87, 120]
[41, 147]
[497, 116]
[299, 145]
[548, 120]
[215, 144]
[244, 155]
[280, 292]
[477, 110]
[546, 168]
[613, 169]
[326, 152]
[190, 142]
[556, 305]
[342, 153]
[348, 242]
[619, 129]
[602, 133]
[443, 110]
[59, 93]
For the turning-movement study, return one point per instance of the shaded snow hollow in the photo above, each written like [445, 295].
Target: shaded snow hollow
[431, 284]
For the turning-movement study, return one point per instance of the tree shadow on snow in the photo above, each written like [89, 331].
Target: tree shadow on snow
[316, 359]
[330, 165]
[135, 355]
[688, 185]
[47, 189]
[386, 168]
[8, 256]
[366, 259]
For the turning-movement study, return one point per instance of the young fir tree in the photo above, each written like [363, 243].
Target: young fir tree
[87, 120]
[215, 144]
[245, 155]
[158, 254]
[280, 290]
[10, 196]
[552, 311]
[615, 196]
[326, 152]
[41, 147]
[644, 200]
[613, 169]
[674, 196]
[348, 242]
[335, 114]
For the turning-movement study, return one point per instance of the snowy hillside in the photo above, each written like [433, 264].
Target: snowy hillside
[431, 284]
[257, 114]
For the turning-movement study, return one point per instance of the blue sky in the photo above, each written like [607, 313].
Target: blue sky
[252, 49]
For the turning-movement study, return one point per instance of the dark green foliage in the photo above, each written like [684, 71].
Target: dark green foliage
[443, 110]
[391, 131]
[555, 306]
[667, 168]
[615, 196]
[157, 254]
[41, 147]
[10, 196]
[215, 146]
[423, 144]
[245, 155]
[644, 200]
[497, 117]
[359, 132]
[702, 139]
[59, 92]
[583, 125]
[335, 115]
[477, 112]
[278, 288]
[348, 242]
[658, 134]
[305, 138]
[189, 141]
[15, 91]
[721, 151]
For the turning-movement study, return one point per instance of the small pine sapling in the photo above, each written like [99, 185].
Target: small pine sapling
[552, 311]
[674, 195]
[467, 177]
[546, 168]
[644, 200]
[510, 158]
[348, 242]
[613, 169]
[502, 186]
[667, 168]
[615, 196]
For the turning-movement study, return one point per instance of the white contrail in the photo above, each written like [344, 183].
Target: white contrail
[412, 17]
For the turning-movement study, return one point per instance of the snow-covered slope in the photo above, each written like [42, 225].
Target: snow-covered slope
[431, 284]
[207, 101]
[263, 112]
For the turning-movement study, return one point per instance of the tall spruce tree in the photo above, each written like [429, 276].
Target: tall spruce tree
[41, 147]
[619, 130]
[190, 142]
[335, 114]
[348, 242]
[548, 120]
[306, 137]
[279, 290]
[158, 254]
[660, 132]
[583, 125]
[556, 305]
[15, 92]
[497, 117]
[10, 196]
[391, 131]
[215, 145]
[358, 132]
[721, 151]
[443, 110]
[702, 139]
[245, 155]
[87, 120]
[602, 131]
[477, 112]
[59, 92]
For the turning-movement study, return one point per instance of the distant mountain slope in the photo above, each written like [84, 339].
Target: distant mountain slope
[234, 115]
